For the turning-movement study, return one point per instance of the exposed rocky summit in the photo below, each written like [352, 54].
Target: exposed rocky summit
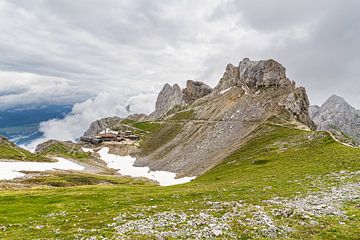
[337, 115]
[100, 125]
[214, 124]
[263, 73]
[195, 90]
[169, 97]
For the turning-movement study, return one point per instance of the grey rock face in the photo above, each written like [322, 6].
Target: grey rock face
[168, 98]
[313, 110]
[297, 103]
[230, 78]
[222, 120]
[337, 114]
[100, 125]
[195, 90]
[263, 73]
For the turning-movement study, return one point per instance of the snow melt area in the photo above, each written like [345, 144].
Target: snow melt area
[125, 166]
[12, 170]
[224, 91]
[87, 150]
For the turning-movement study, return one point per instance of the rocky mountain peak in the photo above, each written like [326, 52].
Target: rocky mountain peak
[168, 98]
[195, 90]
[230, 78]
[336, 114]
[263, 73]
[335, 99]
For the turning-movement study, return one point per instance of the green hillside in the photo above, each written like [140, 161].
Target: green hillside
[283, 183]
[10, 151]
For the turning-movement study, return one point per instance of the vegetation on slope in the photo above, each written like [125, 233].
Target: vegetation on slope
[183, 115]
[71, 151]
[160, 137]
[10, 151]
[66, 179]
[278, 162]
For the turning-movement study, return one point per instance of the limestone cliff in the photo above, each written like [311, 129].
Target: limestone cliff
[169, 97]
[214, 124]
[195, 90]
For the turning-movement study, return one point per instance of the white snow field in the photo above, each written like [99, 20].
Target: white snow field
[125, 166]
[12, 170]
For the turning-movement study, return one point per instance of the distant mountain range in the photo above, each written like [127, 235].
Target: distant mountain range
[21, 124]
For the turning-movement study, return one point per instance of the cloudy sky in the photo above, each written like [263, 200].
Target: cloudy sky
[65, 51]
[120, 52]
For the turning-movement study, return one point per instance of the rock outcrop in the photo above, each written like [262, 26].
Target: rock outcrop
[297, 103]
[100, 125]
[168, 98]
[230, 79]
[195, 90]
[263, 73]
[337, 115]
[216, 124]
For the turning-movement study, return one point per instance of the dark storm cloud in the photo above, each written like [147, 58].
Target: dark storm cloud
[84, 47]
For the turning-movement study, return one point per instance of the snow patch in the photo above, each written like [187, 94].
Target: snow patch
[12, 170]
[87, 150]
[125, 166]
[224, 91]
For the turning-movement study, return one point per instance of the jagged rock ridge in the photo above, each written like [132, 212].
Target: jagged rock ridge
[245, 97]
[337, 115]
[170, 97]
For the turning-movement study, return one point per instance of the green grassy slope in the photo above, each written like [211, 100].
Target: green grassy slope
[11, 151]
[278, 162]
[62, 150]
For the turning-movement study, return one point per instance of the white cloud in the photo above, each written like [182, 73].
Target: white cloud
[66, 51]
[106, 104]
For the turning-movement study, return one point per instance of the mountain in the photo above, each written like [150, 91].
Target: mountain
[202, 126]
[261, 171]
[338, 116]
